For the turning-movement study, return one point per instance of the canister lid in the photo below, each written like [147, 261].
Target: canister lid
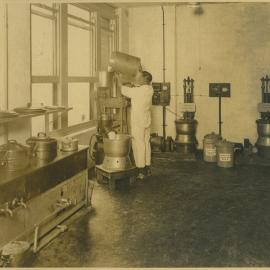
[12, 146]
[263, 121]
[224, 143]
[212, 136]
[41, 137]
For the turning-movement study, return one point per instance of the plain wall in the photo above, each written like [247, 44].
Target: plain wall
[15, 67]
[226, 43]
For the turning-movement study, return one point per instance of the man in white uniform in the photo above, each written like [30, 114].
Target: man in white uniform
[140, 118]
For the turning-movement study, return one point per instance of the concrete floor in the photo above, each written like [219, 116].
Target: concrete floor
[188, 214]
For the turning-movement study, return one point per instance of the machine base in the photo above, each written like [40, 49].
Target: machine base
[116, 163]
[104, 175]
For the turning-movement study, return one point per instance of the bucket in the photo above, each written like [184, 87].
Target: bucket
[209, 147]
[225, 154]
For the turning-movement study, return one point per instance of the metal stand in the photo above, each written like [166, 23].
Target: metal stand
[103, 175]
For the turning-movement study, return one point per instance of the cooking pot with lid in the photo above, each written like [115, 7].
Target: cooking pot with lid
[43, 147]
[14, 156]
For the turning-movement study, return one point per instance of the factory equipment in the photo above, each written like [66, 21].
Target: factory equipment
[14, 156]
[225, 154]
[162, 94]
[185, 141]
[43, 147]
[117, 153]
[263, 124]
[209, 147]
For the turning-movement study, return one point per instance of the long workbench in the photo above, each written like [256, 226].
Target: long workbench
[35, 200]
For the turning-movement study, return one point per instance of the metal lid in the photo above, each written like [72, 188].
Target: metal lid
[42, 137]
[212, 136]
[224, 143]
[12, 146]
[69, 140]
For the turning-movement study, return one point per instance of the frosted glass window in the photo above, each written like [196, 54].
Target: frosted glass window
[79, 99]
[42, 93]
[78, 51]
[42, 45]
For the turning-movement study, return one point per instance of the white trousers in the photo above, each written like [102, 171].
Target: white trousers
[141, 145]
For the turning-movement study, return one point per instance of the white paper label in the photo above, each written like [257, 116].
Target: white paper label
[225, 157]
[211, 152]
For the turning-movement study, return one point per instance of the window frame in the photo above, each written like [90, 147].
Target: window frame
[60, 78]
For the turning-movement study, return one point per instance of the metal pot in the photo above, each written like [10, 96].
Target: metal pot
[118, 147]
[14, 156]
[69, 144]
[43, 147]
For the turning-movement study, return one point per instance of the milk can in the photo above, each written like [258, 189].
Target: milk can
[225, 154]
[209, 147]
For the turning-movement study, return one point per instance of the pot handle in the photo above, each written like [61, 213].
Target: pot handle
[3, 161]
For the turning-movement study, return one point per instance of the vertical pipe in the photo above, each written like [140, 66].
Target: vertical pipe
[163, 38]
[219, 116]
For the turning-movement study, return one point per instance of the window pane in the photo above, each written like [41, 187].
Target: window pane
[41, 93]
[78, 51]
[79, 99]
[42, 45]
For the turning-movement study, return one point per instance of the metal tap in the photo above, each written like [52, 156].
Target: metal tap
[64, 202]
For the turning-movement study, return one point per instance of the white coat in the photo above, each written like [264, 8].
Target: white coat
[140, 118]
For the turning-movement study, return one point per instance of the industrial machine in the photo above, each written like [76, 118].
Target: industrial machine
[263, 124]
[185, 141]
[112, 155]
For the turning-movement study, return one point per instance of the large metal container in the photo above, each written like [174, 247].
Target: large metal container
[209, 147]
[225, 154]
[105, 79]
[43, 147]
[185, 141]
[117, 152]
[263, 141]
[124, 63]
[14, 156]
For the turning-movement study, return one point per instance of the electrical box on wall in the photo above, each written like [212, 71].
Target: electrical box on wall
[219, 89]
[162, 94]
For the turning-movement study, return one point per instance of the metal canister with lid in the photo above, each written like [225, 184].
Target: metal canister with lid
[43, 147]
[225, 154]
[209, 147]
[14, 156]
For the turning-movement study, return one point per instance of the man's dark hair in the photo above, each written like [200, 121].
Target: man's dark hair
[147, 76]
